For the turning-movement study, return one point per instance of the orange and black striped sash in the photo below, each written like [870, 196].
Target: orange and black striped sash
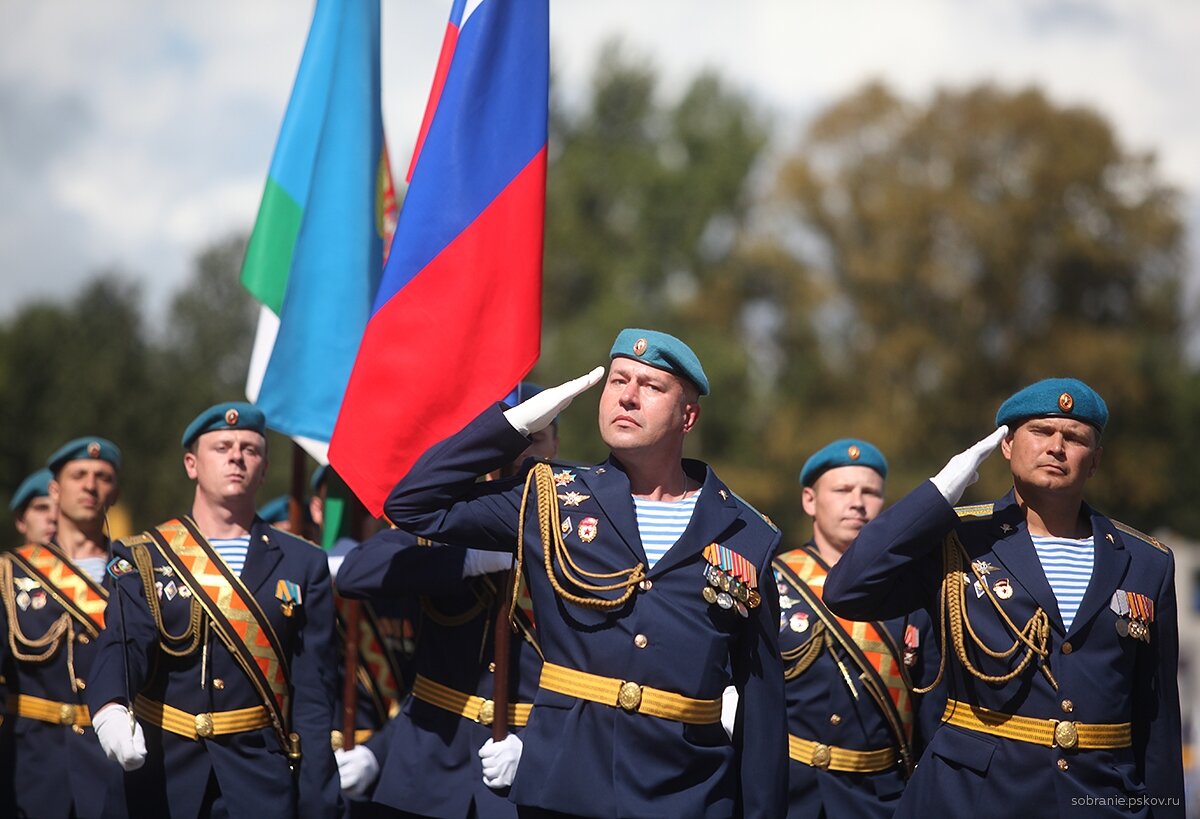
[236, 616]
[378, 671]
[77, 593]
[869, 644]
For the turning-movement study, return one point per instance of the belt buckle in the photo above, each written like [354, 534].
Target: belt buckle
[487, 712]
[204, 725]
[821, 756]
[1066, 735]
[66, 714]
[629, 696]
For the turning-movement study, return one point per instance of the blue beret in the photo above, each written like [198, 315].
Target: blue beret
[843, 452]
[275, 510]
[1054, 398]
[662, 351]
[229, 415]
[83, 449]
[36, 485]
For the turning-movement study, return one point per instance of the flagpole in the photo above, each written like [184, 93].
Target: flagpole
[296, 493]
[501, 655]
[353, 614]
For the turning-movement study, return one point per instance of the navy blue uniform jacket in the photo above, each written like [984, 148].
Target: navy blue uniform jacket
[1103, 677]
[51, 770]
[429, 758]
[595, 760]
[251, 768]
[822, 708]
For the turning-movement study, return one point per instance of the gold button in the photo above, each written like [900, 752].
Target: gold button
[836, 719]
[640, 641]
[1067, 648]
[80, 684]
[491, 668]
[1068, 706]
[219, 684]
[646, 585]
[84, 639]
[1062, 765]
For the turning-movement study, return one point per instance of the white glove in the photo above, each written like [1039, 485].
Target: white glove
[500, 761]
[357, 769]
[729, 703]
[120, 736]
[480, 561]
[536, 413]
[963, 469]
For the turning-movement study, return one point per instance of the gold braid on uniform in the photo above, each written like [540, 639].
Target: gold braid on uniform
[803, 656]
[64, 625]
[541, 477]
[1034, 635]
[145, 567]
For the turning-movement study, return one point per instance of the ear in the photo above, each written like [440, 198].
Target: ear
[808, 499]
[691, 414]
[1095, 465]
[189, 465]
[1006, 446]
[55, 490]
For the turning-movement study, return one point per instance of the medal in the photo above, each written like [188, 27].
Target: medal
[753, 599]
[587, 529]
[724, 600]
[566, 525]
[741, 608]
[38, 600]
[978, 589]
[1003, 589]
[23, 600]
[1119, 603]
[564, 477]
[710, 594]
[799, 622]
[1122, 627]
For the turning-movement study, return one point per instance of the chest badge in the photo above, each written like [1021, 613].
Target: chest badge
[572, 498]
[587, 529]
[1002, 588]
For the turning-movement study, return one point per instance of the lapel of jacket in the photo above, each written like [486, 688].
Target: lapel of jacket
[1015, 550]
[716, 510]
[1108, 568]
[261, 557]
[609, 486]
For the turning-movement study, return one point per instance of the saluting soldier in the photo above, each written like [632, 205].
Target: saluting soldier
[220, 643]
[34, 513]
[852, 714]
[54, 596]
[437, 758]
[1061, 643]
[643, 571]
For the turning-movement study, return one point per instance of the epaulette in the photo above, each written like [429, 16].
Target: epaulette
[976, 511]
[424, 541]
[1153, 541]
[766, 519]
[134, 540]
[295, 536]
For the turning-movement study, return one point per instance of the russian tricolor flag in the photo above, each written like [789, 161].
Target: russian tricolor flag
[457, 319]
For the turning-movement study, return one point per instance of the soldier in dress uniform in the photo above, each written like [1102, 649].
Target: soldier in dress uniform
[852, 713]
[437, 758]
[54, 597]
[34, 513]
[1061, 644]
[643, 572]
[213, 683]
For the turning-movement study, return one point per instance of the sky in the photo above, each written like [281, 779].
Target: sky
[135, 132]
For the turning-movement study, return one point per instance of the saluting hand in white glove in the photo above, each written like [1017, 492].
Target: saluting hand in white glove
[500, 760]
[536, 413]
[357, 769]
[963, 469]
[120, 736]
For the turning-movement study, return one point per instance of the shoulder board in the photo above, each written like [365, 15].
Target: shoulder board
[977, 511]
[424, 541]
[766, 519]
[1142, 536]
[294, 536]
[134, 540]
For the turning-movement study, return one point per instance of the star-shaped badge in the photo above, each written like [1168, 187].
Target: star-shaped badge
[564, 477]
[572, 498]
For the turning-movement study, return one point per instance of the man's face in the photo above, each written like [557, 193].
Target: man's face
[643, 407]
[1052, 453]
[841, 502]
[228, 464]
[39, 522]
[84, 490]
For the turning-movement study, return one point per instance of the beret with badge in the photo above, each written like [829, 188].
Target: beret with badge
[663, 351]
[36, 485]
[85, 449]
[843, 452]
[228, 415]
[1054, 398]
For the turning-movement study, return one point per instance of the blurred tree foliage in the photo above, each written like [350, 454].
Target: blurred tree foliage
[892, 272]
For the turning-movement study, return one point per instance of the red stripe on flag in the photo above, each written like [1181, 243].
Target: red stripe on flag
[435, 94]
[450, 343]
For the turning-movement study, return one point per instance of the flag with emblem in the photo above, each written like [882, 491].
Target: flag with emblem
[315, 256]
[457, 319]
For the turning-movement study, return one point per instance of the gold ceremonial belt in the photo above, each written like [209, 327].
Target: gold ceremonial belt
[338, 740]
[1052, 733]
[59, 713]
[832, 758]
[467, 706]
[197, 726]
[630, 696]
